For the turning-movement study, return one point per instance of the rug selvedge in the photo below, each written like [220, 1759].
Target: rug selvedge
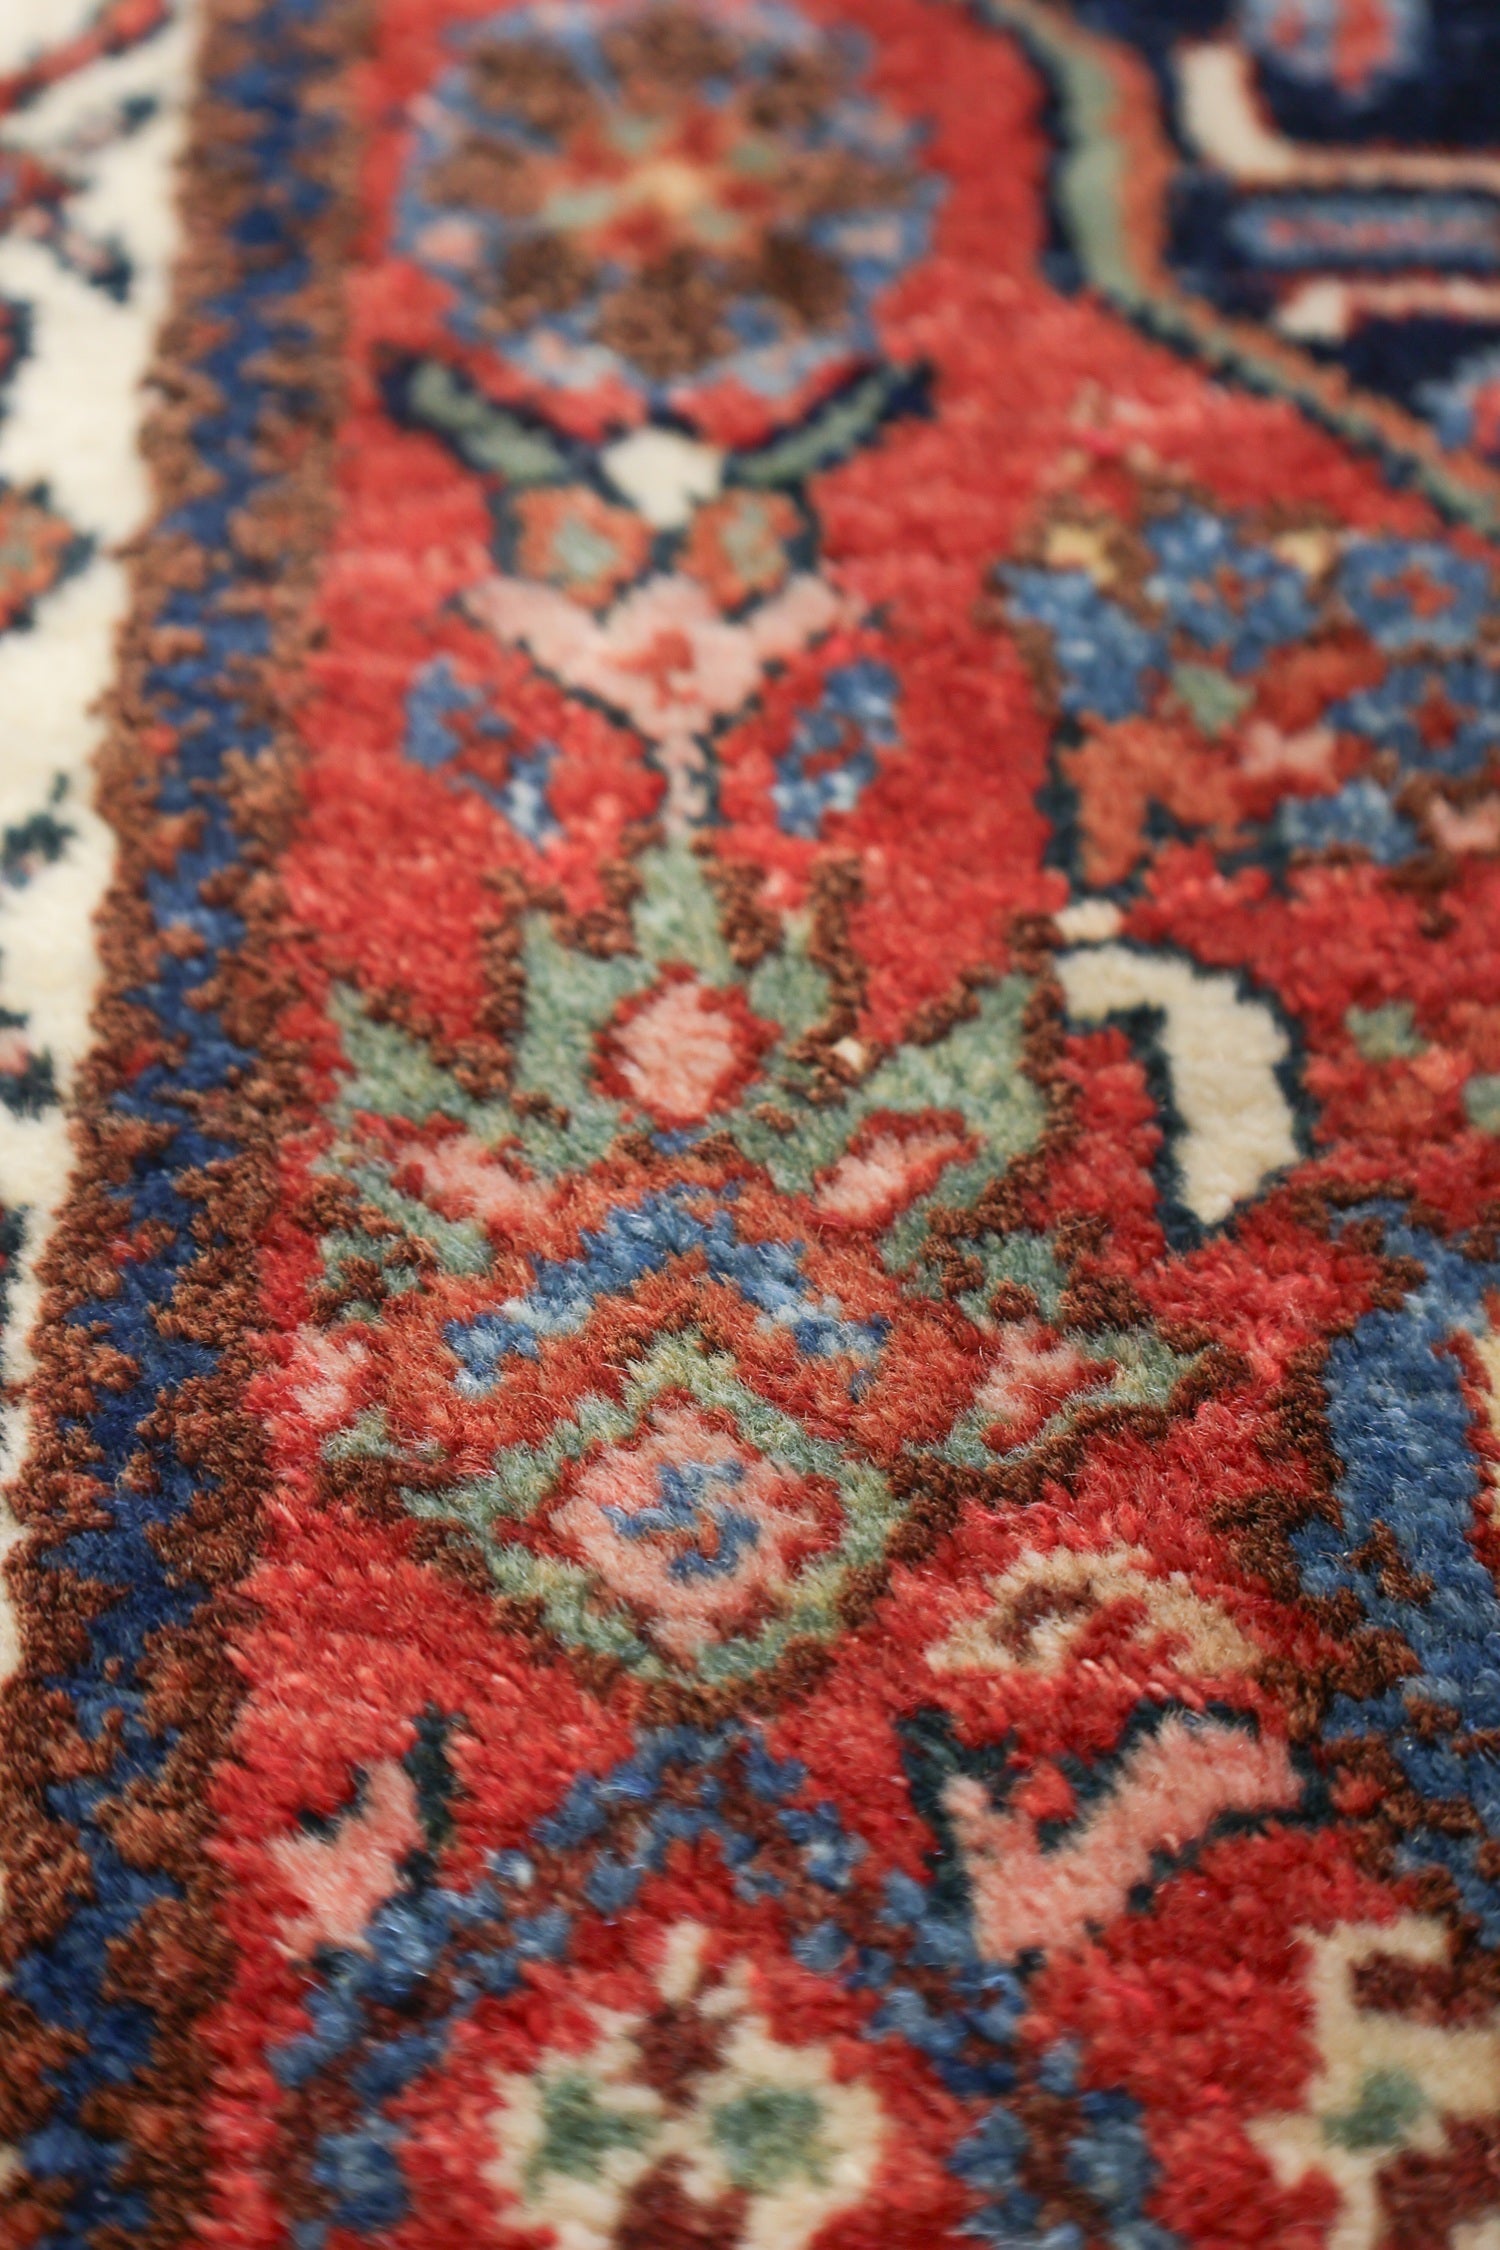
[121, 1705]
[854, 1529]
[87, 137]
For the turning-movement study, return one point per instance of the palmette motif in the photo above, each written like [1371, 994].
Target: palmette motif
[833, 1583]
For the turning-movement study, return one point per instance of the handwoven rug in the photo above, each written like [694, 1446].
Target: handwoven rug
[750, 1124]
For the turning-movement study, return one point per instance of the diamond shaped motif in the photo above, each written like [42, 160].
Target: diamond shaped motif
[693, 1526]
[664, 1327]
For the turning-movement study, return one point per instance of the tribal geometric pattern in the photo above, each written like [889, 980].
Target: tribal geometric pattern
[756, 1494]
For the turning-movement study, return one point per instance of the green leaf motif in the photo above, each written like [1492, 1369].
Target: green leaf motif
[769, 2136]
[484, 436]
[975, 1069]
[1390, 2103]
[579, 2131]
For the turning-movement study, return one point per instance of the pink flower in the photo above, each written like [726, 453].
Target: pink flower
[341, 1879]
[684, 1050]
[1032, 1375]
[886, 1171]
[689, 1526]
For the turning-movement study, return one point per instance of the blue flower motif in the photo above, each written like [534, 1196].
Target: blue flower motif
[1389, 715]
[1414, 593]
[1305, 41]
[1103, 653]
[1199, 559]
[1360, 814]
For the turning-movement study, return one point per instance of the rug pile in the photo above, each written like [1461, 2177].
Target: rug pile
[750, 1124]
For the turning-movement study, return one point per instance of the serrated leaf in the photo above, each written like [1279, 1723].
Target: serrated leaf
[487, 437]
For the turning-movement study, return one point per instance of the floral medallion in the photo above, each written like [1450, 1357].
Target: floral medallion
[670, 204]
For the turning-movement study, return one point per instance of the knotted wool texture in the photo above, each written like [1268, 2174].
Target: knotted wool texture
[750, 1124]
